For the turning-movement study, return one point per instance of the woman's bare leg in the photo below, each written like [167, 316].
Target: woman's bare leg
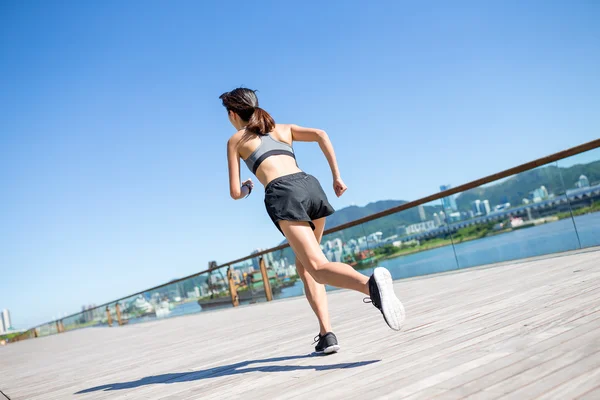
[309, 253]
[315, 292]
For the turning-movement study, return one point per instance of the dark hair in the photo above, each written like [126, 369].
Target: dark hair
[244, 103]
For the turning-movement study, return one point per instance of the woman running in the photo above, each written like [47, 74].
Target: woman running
[298, 206]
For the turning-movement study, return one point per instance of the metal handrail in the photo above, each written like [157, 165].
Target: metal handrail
[411, 204]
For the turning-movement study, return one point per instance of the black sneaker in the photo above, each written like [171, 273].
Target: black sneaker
[327, 343]
[382, 296]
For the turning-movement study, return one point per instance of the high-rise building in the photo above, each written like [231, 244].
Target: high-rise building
[449, 202]
[476, 207]
[255, 261]
[422, 213]
[486, 207]
[6, 324]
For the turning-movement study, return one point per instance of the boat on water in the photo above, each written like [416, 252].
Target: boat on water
[249, 293]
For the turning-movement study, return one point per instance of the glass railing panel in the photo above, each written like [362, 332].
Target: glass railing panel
[522, 216]
[248, 282]
[80, 320]
[138, 308]
[183, 298]
[581, 177]
[408, 243]
[47, 329]
[282, 266]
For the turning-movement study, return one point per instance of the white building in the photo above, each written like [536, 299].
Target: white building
[6, 324]
[334, 249]
[486, 207]
[420, 227]
[443, 217]
[422, 213]
[436, 219]
[362, 243]
[583, 182]
[476, 207]
[375, 237]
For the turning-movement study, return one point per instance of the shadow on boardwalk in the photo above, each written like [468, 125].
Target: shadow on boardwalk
[227, 370]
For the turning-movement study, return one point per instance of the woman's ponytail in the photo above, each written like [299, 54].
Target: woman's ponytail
[260, 122]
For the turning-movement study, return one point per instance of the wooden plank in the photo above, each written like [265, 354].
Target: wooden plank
[578, 386]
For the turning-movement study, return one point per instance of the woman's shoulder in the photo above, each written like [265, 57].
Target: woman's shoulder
[236, 137]
[283, 132]
[283, 127]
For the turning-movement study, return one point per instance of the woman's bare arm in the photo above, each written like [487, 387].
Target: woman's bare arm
[236, 190]
[302, 134]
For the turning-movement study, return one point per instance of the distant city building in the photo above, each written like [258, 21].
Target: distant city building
[422, 213]
[269, 260]
[420, 227]
[401, 230]
[442, 217]
[486, 207]
[455, 216]
[362, 243]
[479, 207]
[476, 207]
[436, 219]
[449, 202]
[374, 237]
[255, 261]
[501, 207]
[334, 249]
[583, 182]
[539, 194]
[6, 324]
[390, 239]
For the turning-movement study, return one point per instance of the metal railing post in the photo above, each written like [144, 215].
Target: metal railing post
[109, 316]
[118, 311]
[235, 300]
[265, 277]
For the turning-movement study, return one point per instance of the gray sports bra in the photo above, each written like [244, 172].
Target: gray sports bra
[267, 147]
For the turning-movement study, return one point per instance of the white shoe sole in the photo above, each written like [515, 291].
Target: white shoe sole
[392, 307]
[331, 349]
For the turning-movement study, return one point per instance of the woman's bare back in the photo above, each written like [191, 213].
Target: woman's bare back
[274, 166]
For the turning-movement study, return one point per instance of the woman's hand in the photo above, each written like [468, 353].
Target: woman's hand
[339, 187]
[248, 184]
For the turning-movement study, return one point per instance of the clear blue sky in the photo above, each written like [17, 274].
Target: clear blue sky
[113, 170]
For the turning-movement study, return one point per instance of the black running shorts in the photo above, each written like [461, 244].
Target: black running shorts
[296, 197]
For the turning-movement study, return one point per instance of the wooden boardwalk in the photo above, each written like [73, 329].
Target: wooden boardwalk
[517, 331]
